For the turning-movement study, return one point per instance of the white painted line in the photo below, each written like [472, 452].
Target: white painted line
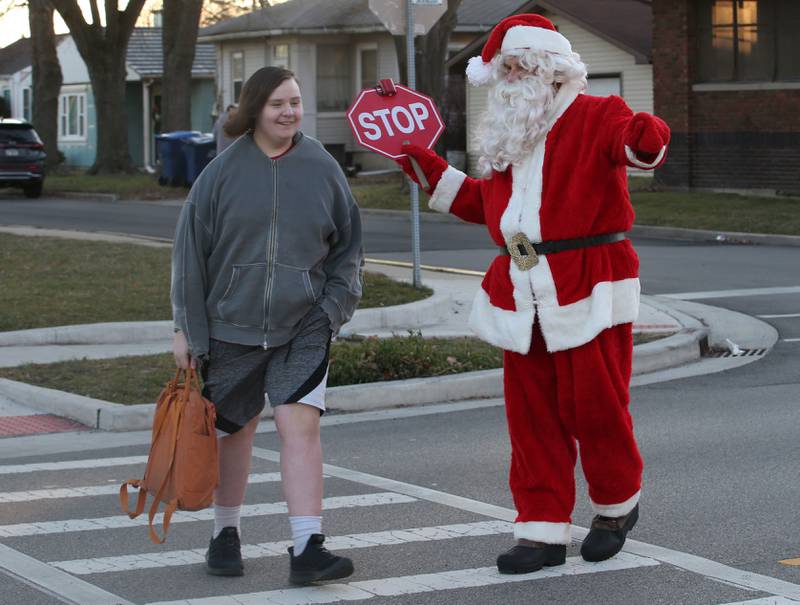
[705, 567]
[195, 556]
[733, 293]
[54, 582]
[99, 490]
[408, 585]
[790, 340]
[779, 316]
[67, 465]
[766, 601]
[251, 510]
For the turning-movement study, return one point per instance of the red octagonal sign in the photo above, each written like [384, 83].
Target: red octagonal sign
[383, 123]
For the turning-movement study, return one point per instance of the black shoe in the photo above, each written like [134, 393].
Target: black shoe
[607, 536]
[224, 554]
[525, 559]
[317, 564]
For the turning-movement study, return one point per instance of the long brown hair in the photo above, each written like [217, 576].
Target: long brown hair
[255, 93]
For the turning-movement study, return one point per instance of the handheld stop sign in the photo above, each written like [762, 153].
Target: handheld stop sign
[386, 117]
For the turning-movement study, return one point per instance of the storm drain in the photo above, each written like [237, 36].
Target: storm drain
[727, 353]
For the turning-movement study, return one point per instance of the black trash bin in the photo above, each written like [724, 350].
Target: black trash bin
[173, 161]
[199, 150]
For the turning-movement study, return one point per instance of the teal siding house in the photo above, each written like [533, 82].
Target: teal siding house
[77, 120]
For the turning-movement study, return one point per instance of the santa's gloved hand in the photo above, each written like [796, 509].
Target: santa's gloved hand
[646, 135]
[431, 164]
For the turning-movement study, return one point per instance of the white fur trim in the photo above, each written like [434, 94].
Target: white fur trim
[617, 510]
[446, 190]
[509, 330]
[564, 327]
[523, 37]
[543, 531]
[478, 72]
[639, 164]
[522, 212]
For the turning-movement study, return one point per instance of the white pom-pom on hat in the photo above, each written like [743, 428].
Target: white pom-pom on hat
[478, 72]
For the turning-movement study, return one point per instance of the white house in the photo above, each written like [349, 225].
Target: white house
[338, 47]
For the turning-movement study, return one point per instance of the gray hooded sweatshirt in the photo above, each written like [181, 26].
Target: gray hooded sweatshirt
[259, 242]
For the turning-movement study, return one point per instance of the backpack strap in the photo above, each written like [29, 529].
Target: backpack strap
[140, 500]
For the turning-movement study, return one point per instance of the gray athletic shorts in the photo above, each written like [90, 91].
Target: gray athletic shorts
[238, 378]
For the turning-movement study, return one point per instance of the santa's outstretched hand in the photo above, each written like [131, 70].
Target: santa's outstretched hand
[431, 164]
[645, 137]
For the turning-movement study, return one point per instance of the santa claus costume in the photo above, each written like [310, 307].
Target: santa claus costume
[561, 295]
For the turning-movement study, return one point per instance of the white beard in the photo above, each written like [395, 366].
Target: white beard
[515, 121]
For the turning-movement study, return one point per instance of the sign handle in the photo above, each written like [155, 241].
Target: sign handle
[423, 182]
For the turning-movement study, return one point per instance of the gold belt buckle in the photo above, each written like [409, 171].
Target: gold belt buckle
[522, 252]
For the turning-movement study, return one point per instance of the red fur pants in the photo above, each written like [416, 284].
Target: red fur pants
[554, 400]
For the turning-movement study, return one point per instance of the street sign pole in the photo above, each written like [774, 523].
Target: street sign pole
[411, 67]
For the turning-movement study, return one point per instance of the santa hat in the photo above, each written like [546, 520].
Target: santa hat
[513, 36]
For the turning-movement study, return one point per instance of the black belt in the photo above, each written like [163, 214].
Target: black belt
[525, 252]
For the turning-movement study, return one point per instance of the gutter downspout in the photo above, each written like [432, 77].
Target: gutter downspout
[146, 126]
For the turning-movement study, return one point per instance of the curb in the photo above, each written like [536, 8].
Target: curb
[666, 353]
[707, 235]
[78, 195]
[411, 316]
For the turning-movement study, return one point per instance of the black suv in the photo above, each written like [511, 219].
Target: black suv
[21, 157]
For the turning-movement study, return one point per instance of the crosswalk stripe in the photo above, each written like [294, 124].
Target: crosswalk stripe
[416, 584]
[98, 490]
[251, 510]
[766, 601]
[734, 293]
[274, 549]
[66, 465]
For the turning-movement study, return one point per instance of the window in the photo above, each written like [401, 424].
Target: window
[27, 109]
[237, 74]
[280, 55]
[603, 86]
[748, 40]
[334, 77]
[368, 67]
[72, 116]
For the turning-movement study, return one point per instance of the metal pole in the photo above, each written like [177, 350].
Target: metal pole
[412, 83]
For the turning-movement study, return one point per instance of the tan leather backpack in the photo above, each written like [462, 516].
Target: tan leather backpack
[182, 466]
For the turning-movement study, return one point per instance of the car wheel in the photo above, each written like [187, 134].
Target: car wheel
[33, 191]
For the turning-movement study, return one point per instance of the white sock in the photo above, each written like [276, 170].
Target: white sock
[302, 528]
[227, 516]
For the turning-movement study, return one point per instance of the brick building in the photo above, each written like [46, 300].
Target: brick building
[727, 80]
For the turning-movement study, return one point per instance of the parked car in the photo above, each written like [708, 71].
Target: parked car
[21, 157]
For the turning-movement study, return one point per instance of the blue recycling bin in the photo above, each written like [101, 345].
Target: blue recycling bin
[173, 161]
[198, 150]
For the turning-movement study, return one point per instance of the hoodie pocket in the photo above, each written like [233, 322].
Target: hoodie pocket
[292, 296]
[243, 301]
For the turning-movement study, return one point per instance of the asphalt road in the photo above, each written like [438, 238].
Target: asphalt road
[720, 493]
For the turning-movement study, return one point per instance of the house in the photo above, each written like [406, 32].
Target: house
[338, 47]
[77, 134]
[15, 67]
[727, 80]
[613, 38]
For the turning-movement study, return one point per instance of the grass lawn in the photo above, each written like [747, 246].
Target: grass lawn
[52, 282]
[135, 380]
[138, 186]
[717, 211]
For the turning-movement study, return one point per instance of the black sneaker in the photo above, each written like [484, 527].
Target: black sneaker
[317, 564]
[224, 554]
[526, 559]
[607, 536]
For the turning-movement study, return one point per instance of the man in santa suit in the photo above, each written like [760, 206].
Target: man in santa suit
[561, 295]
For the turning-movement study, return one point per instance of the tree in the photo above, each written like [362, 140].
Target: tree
[433, 46]
[179, 38]
[47, 77]
[104, 50]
